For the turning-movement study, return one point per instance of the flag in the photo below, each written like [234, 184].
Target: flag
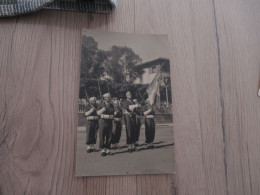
[153, 89]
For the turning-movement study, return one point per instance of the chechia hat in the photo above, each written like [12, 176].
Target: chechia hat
[18, 7]
[106, 95]
[92, 99]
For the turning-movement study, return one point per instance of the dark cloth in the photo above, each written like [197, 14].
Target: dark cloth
[109, 107]
[147, 107]
[139, 114]
[138, 128]
[149, 125]
[91, 131]
[105, 125]
[126, 103]
[118, 112]
[89, 107]
[116, 132]
[18, 7]
[117, 127]
[91, 126]
[105, 133]
[149, 130]
[130, 122]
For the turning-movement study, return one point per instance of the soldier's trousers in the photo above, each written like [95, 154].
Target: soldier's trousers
[138, 127]
[105, 131]
[149, 130]
[91, 131]
[116, 132]
[130, 123]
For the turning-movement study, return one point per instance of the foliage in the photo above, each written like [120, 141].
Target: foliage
[118, 63]
[89, 87]
[121, 64]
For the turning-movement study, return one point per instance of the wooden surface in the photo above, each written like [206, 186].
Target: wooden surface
[215, 58]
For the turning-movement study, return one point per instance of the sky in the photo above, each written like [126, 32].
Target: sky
[146, 46]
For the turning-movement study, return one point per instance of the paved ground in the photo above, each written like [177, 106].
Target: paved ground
[146, 161]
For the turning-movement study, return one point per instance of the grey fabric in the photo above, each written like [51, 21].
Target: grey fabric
[18, 7]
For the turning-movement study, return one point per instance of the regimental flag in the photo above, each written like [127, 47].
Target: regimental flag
[153, 89]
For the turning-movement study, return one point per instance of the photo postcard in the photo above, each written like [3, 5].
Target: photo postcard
[125, 124]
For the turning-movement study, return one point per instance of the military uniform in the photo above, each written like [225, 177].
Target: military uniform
[149, 125]
[139, 114]
[105, 125]
[91, 125]
[130, 122]
[117, 126]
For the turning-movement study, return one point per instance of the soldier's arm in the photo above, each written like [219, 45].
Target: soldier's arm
[101, 109]
[132, 107]
[115, 112]
[148, 111]
[89, 112]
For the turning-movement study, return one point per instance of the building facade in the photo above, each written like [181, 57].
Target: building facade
[151, 68]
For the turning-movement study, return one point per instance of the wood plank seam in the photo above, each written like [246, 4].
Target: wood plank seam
[221, 94]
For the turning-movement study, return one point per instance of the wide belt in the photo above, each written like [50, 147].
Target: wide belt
[106, 116]
[91, 118]
[117, 119]
[124, 112]
[149, 116]
[128, 113]
[138, 116]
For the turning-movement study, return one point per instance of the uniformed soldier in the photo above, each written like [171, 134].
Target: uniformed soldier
[130, 121]
[117, 125]
[91, 124]
[139, 114]
[106, 113]
[149, 112]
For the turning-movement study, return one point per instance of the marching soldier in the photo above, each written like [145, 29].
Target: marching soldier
[117, 125]
[130, 121]
[139, 114]
[91, 124]
[106, 113]
[149, 124]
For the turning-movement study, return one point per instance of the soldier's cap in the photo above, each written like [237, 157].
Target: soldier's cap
[116, 102]
[92, 99]
[106, 95]
[128, 92]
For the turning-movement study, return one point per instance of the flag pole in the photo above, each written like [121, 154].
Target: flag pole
[141, 96]
[100, 94]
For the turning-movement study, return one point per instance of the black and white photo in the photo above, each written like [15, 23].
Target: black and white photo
[125, 122]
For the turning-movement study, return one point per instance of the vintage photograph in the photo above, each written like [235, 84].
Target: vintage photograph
[125, 124]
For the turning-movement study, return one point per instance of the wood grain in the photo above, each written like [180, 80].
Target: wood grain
[238, 32]
[214, 47]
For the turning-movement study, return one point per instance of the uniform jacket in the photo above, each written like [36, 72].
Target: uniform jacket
[126, 105]
[89, 107]
[109, 107]
[147, 107]
[119, 113]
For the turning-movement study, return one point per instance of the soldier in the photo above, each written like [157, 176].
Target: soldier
[139, 114]
[149, 124]
[130, 121]
[91, 124]
[117, 125]
[106, 113]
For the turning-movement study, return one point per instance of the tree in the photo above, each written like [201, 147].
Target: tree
[89, 50]
[120, 64]
[106, 71]
[92, 59]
